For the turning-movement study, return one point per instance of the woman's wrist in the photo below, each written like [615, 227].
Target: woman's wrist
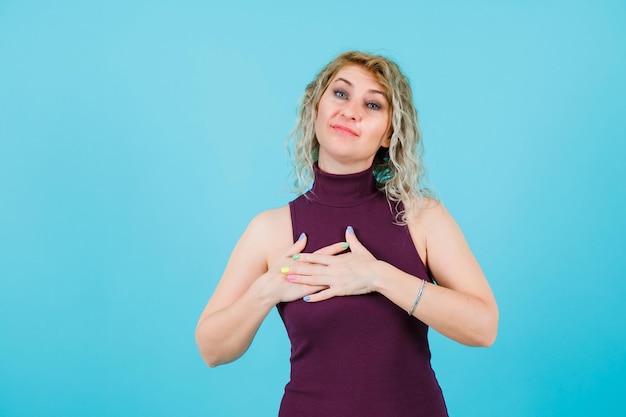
[260, 293]
[381, 270]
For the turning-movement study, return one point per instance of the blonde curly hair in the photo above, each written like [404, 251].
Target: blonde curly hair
[399, 170]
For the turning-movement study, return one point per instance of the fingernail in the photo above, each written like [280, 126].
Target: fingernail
[350, 230]
[296, 257]
[291, 277]
[284, 270]
[307, 298]
[345, 245]
[302, 236]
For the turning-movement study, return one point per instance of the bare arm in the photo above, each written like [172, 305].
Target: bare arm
[252, 284]
[242, 298]
[462, 305]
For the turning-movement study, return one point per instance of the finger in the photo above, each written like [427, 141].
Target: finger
[307, 272]
[297, 279]
[313, 258]
[298, 246]
[333, 249]
[355, 244]
[306, 280]
[319, 296]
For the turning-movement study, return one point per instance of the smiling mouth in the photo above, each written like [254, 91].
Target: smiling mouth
[344, 130]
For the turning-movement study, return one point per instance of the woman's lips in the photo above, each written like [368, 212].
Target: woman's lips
[344, 130]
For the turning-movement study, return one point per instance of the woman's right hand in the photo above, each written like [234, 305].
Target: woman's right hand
[274, 283]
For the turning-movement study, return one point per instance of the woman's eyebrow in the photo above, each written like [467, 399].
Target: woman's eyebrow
[350, 84]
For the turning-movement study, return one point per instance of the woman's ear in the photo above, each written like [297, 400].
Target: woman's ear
[387, 141]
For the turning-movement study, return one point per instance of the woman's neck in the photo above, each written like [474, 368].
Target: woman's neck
[339, 168]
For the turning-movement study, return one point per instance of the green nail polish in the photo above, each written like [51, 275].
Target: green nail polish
[345, 245]
[296, 257]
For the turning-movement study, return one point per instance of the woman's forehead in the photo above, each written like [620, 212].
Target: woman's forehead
[353, 73]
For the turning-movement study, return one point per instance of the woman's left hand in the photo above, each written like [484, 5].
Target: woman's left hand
[351, 273]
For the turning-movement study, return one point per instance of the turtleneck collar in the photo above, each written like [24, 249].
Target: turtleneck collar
[347, 190]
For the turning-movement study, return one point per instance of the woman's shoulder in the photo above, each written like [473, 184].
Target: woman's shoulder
[429, 221]
[275, 217]
[429, 215]
[269, 224]
[433, 221]
[267, 234]
[425, 208]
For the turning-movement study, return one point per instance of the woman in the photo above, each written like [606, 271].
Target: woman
[371, 245]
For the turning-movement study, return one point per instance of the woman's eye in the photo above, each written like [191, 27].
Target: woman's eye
[340, 94]
[373, 106]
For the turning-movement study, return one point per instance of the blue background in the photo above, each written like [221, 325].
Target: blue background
[137, 139]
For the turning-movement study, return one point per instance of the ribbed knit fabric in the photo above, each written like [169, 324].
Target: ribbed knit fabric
[357, 355]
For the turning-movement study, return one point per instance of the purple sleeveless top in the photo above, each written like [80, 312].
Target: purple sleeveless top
[357, 355]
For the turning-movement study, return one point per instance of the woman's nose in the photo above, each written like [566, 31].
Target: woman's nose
[350, 111]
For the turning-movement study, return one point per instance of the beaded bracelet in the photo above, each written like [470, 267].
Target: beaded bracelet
[418, 298]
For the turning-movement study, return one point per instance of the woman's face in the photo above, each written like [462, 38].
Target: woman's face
[353, 121]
